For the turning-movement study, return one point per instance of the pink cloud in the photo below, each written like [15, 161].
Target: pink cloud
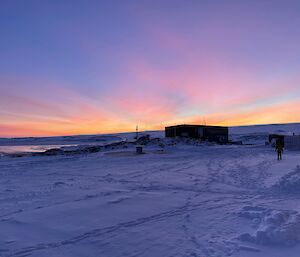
[150, 97]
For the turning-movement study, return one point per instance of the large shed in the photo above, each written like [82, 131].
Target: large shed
[210, 133]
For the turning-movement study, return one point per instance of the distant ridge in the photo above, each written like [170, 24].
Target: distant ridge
[267, 128]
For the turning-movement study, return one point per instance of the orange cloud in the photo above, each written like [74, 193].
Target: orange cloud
[158, 98]
[280, 113]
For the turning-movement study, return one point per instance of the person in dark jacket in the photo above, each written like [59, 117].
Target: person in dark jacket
[279, 149]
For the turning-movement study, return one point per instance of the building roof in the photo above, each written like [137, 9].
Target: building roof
[198, 126]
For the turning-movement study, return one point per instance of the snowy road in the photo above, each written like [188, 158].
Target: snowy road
[203, 201]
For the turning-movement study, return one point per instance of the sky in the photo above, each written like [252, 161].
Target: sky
[87, 67]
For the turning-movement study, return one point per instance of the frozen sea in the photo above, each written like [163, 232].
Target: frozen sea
[41, 144]
[180, 198]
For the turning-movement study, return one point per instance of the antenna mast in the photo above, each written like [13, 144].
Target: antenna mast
[136, 131]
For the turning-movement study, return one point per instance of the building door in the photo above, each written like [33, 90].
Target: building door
[200, 132]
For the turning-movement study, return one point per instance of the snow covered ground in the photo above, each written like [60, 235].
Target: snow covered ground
[181, 198]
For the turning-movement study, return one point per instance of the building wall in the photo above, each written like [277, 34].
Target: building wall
[210, 133]
[217, 134]
[292, 142]
[182, 131]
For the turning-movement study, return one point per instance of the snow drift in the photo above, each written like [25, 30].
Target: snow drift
[273, 227]
[290, 183]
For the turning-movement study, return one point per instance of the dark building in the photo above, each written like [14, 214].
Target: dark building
[276, 137]
[210, 133]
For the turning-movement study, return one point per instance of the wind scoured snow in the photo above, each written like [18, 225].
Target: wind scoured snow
[274, 227]
[289, 183]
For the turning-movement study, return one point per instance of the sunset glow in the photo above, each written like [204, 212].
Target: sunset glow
[76, 68]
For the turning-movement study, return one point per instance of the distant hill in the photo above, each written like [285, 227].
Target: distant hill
[288, 128]
[268, 128]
